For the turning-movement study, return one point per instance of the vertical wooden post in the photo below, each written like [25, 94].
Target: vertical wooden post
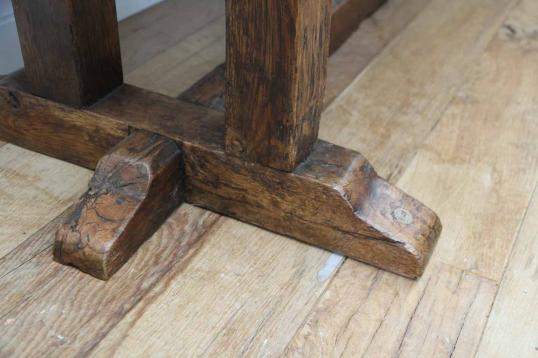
[70, 48]
[276, 64]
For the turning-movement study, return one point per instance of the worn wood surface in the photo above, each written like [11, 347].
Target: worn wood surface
[136, 186]
[27, 177]
[51, 128]
[70, 48]
[242, 290]
[275, 78]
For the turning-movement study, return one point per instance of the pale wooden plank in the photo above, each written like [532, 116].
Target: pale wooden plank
[373, 35]
[478, 169]
[214, 305]
[33, 190]
[159, 28]
[512, 329]
[199, 53]
[366, 312]
[410, 85]
[30, 247]
[276, 281]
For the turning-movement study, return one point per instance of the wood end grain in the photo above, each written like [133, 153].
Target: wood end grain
[135, 188]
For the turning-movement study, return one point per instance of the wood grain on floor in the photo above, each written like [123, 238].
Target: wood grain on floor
[373, 35]
[446, 110]
[366, 312]
[34, 189]
[152, 32]
[511, 329]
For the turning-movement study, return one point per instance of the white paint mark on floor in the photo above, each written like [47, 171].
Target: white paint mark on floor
[487, 180]
[9, 321]
[331, 265]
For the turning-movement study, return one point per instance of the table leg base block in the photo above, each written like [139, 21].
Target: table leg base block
[135, 188]
[334, 200]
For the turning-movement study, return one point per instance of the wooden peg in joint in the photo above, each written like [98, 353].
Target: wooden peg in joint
[135, 188]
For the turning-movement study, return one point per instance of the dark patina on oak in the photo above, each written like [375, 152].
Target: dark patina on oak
[334, 199]
[257, 160]
[134, 189]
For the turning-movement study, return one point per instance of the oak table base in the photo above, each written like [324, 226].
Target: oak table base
[334, 199]
[258, 161]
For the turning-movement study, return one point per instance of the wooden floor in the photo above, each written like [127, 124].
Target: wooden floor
[441, 96]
